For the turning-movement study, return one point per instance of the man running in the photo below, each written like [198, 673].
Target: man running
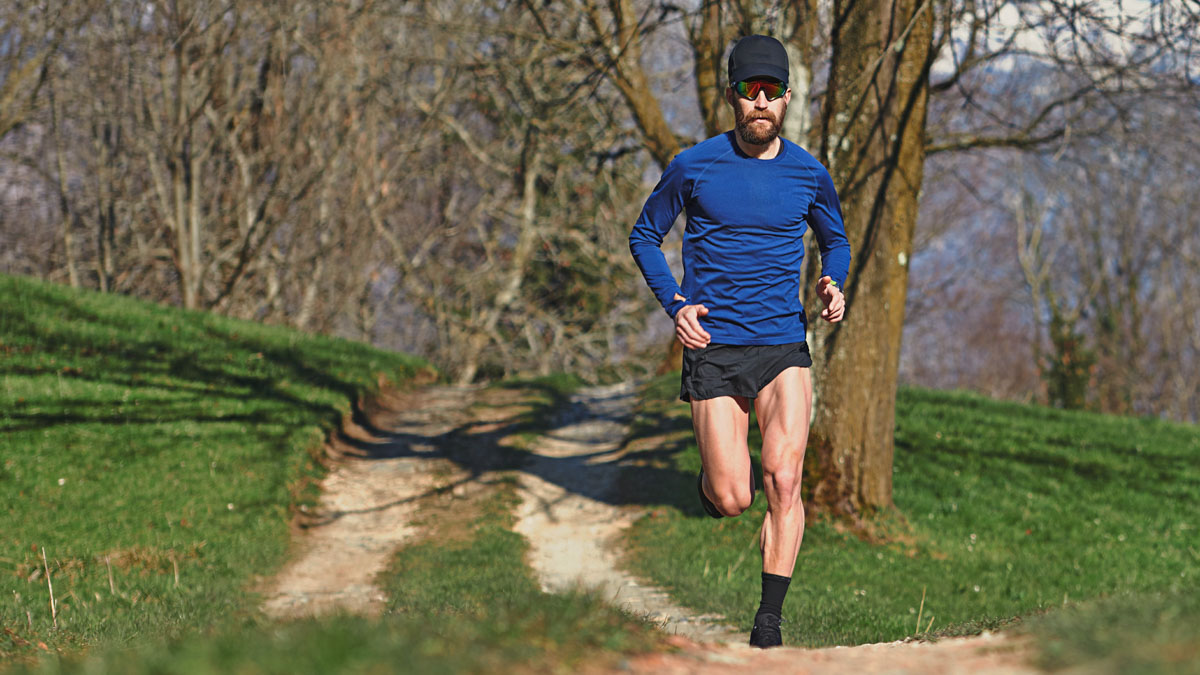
[748, 195]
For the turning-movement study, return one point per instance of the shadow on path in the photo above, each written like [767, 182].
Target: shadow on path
[483, 442]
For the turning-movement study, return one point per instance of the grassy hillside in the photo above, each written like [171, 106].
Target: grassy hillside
[1004, 510]
[153, 454]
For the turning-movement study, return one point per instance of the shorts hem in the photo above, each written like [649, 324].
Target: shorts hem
[687, 396]
[742, 373]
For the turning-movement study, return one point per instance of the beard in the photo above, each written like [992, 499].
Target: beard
[758, 134]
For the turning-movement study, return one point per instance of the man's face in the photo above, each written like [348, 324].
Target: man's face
[758, 119]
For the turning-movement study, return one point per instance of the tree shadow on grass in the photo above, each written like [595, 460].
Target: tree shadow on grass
[128, 363]
[141, 365]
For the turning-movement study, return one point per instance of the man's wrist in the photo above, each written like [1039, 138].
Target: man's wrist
[674, 307]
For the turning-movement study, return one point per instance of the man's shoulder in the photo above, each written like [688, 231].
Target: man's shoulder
[798, 154]
[705, 151]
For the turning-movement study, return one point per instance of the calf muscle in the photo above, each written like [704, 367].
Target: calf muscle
[783, 409]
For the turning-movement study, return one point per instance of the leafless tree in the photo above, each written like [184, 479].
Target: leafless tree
[1102, 227]
[1102, 247]
[457, 178]
[872, 68]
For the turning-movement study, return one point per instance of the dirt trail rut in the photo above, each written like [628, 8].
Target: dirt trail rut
[367, 502]
[573, 528]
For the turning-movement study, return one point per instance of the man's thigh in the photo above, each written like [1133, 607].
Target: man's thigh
[784, 408]
[721, 424]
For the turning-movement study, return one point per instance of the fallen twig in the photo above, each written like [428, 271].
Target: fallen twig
[53, 609]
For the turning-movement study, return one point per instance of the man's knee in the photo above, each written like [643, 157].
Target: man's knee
[784, 482]
[733, 502]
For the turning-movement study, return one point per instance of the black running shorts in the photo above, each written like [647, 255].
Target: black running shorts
[737, 370]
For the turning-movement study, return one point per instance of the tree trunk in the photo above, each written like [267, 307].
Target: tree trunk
[708, 46]
[64, 204]
[873, 143]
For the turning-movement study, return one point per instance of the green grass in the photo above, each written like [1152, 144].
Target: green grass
[1003, 510]
[463, 605]
[158, 448]
[345, 645]
[156, 454]
[1148, 634]
[460, 600]
[477, 587]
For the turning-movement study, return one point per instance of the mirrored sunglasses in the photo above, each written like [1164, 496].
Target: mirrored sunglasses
[749, 89]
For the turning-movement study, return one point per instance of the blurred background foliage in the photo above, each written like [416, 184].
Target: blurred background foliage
[456, 178]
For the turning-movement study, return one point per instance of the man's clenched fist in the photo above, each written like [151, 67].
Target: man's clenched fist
[687, 325]
[831, 295]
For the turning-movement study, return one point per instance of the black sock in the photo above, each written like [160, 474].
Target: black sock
[774, 590]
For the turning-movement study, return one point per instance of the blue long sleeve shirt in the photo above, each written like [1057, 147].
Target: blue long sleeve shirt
[742, 245]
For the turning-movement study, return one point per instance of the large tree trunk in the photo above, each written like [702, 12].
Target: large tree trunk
[873, 131]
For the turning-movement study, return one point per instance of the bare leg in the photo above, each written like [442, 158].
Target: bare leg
[721, 424]
[783, 408]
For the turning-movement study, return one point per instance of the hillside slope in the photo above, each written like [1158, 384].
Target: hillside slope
[154, 455]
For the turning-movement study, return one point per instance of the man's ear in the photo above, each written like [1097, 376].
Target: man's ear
[729, 95]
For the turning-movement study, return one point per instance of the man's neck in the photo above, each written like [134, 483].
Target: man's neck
[764, 151]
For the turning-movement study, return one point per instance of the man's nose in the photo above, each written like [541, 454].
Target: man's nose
[760, 101]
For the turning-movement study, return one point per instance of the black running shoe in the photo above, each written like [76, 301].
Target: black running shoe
[766, 632]
[709, 507]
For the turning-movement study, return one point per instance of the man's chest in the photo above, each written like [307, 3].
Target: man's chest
[768, 199]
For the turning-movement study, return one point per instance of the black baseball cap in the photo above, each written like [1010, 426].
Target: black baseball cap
[758, 56]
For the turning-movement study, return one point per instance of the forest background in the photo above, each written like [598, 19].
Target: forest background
[457, 178]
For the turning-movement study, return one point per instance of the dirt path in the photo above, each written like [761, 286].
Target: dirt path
[572, 529]
[367, 501]
[987, 654]
[571, 524]
[569, 516]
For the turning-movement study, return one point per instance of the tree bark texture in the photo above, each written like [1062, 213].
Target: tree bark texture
[873, 143]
